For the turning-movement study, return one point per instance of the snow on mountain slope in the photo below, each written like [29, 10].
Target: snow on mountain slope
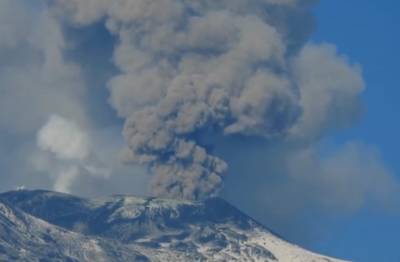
[153, 229]
[26, 238]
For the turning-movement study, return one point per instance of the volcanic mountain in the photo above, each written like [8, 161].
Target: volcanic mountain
[49, 226]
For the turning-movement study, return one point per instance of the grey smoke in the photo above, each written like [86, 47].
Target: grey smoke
[230, 68]
[39, 78]
[33, 72]
[301, 190]
[35, 82]
[261, 130]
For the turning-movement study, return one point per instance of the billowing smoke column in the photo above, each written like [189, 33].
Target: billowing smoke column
[188, 67]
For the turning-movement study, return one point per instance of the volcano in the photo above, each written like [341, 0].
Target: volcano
[48, 226]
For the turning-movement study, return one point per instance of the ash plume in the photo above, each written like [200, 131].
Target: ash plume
[230, 68]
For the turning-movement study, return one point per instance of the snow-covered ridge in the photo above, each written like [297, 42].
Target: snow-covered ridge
[120, 228]
[26, 238]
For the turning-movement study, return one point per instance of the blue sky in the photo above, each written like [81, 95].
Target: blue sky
[368, 33]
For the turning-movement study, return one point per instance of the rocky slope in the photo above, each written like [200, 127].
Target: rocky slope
[49, 226]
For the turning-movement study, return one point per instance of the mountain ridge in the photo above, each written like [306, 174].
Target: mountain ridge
[157, 229]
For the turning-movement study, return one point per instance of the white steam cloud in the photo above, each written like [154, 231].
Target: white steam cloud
[70, 154]
[64, 138]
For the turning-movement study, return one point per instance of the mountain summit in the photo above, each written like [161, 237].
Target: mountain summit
[49, 226]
